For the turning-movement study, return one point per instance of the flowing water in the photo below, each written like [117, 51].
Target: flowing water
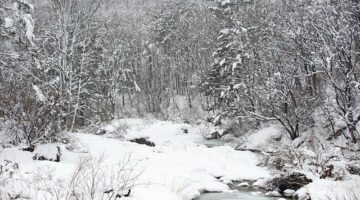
[240, 195]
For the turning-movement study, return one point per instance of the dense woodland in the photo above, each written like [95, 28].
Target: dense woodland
[66, 64]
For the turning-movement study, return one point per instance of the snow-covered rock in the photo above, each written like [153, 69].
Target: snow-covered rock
[243, 184]
[49, 152]
[289, 192]
[261, 183]
[289, 181]
[273, 194]
[227, 182]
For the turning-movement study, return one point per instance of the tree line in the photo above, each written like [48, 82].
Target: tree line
[65, 64]
[290, 62]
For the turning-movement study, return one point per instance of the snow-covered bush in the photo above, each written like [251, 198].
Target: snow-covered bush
[310, 154]
[120, 129]
[29, 104]
[7, 134]
[30, 116]
[205, 130]
[184, 188]
[7, 172]
[91, 179]
[327, 189]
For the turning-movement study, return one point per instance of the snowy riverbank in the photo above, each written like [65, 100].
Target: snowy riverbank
[176, 164]
[178, 167]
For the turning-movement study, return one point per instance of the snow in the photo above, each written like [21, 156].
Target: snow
[273, 194]
[222, 94]
[261, 183]
[137, 88]
[243, 184]
[235, 66]
[48, 151]
[222, 62]
[263, 136]
[225, 2]
[16, 155]
[27, 19]
[8, 22]
[39, 94]
[323, 189]
[225, 31]
[239, 86]
[289, 192]
[178, 167]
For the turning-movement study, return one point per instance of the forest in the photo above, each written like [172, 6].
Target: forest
[279, 79]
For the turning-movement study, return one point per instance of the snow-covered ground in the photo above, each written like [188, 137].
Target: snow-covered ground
[323, 189]
[98, 164]
[178, 167]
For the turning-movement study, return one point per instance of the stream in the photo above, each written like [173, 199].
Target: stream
[239, 192]
[240, 195]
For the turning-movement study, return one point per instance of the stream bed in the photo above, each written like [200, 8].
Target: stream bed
[238, 195]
